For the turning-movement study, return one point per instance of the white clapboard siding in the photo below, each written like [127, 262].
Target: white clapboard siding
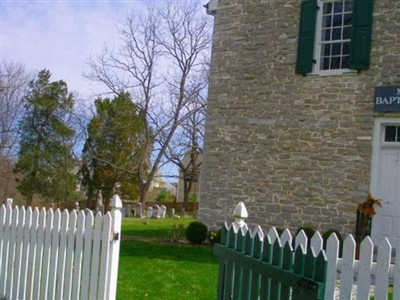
[52, 255]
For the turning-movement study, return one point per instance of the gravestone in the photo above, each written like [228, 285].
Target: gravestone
[127, 210]
[149, 213]
[139, 210]
[163, 211]
[171, 212]
[156, 211]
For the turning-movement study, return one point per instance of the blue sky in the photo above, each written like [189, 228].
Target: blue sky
[61, 35]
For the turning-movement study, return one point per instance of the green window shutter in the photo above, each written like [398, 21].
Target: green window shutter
[305, 50]
[360, 47]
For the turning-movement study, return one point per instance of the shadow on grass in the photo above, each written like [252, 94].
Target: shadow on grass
[153, 250]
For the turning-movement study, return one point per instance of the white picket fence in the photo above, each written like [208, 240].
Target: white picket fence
[53, 255]
[347, 278]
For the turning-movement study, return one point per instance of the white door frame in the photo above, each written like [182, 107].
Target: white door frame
[378, 136]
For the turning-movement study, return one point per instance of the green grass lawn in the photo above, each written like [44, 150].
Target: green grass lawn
[151, 268]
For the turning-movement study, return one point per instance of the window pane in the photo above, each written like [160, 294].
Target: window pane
[326, 50]
[336, 49]
[338, 7]
[326, 35]
[346, 49]
[337, 20]
[325, 63]
[326, 21]
[347, 33]
[345, 62]
[327, 8]
[336, 34]
[347, 19]
[335, 63]
[390, 133]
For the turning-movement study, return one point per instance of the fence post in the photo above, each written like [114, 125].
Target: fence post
[116, 215]
[240, 214]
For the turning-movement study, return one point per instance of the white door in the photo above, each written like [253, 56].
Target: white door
[386, 222]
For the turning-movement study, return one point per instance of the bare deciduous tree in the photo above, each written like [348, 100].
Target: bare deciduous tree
[159, 62]
[186, 148]
[13, 84]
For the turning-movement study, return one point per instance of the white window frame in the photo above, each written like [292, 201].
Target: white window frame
[317, 47]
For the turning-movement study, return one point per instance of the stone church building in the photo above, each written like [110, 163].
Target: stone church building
[303, 115]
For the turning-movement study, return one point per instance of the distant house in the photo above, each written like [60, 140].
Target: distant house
[303, 114]
[159, 183]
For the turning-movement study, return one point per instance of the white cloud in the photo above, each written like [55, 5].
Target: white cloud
[61, 35]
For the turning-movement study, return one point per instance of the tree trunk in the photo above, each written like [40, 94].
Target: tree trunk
[143, 190]
[186, 192]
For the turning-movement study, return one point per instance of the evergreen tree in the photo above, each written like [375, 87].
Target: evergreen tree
[112, 149]
[45, 162]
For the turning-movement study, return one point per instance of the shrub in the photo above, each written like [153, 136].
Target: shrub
[196, 232]
[193, 198]
[163, 196]
[279, 230]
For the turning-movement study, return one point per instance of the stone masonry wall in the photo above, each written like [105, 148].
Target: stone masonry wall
[296, 149]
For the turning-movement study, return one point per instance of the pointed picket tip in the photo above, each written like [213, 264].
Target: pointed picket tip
[15, 210]
[115, 202]
[65, 213]
[258, 232]
[73, 214]
[349, 239]
[240, 211]
[301, 239]
[89, 214]
[9, 201]
[317, 242]
[367, 243]
[332, 240]
[243, 230]
[286, 237]
[273, 234]
[225, 226]
[249, 234]
[385, 245]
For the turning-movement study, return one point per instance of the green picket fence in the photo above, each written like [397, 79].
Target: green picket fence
[252, 266]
